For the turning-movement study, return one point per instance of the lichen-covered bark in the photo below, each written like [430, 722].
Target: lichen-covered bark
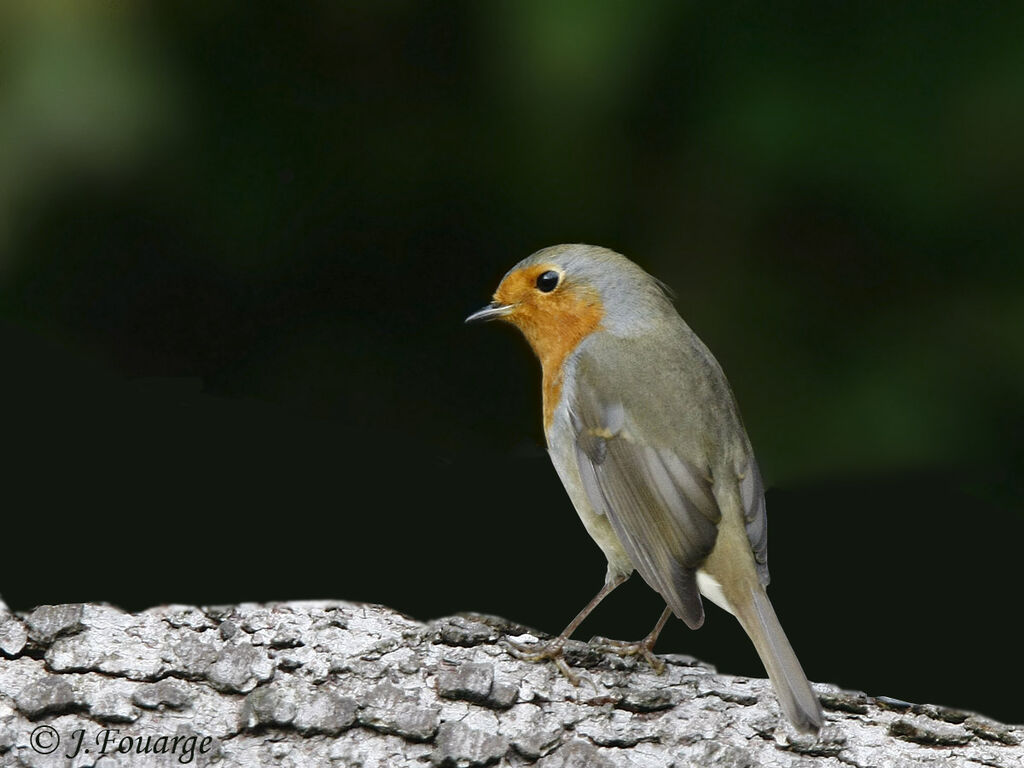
[343, 684]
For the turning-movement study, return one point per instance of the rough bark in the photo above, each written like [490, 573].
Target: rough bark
[343, 684]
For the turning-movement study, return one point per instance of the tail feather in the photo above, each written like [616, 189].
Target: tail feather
[796, 697]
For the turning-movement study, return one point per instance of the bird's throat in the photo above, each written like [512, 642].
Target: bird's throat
[554, 336]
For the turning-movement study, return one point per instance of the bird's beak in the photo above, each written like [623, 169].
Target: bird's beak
[492, 311]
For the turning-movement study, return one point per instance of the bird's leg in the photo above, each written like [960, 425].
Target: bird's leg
[643, 647]
[553, 648]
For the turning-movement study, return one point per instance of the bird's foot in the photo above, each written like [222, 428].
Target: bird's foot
[553, 650]
[537, 651]
[643, 648]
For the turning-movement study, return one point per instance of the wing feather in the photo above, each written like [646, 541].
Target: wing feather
[647, 466]
[660, 505]
[755, 517]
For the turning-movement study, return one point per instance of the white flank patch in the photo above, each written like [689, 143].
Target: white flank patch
[712, 590]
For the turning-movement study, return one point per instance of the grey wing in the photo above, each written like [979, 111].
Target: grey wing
[755, 517]
[660, 505]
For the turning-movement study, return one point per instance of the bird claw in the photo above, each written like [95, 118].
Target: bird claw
[536, 651]
[553, 650]
[644, 648]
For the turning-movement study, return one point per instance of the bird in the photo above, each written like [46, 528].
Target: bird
[645, 434]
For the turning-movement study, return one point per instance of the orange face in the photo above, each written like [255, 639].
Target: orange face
[554, 316]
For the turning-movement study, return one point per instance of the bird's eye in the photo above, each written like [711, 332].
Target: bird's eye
[547, 281]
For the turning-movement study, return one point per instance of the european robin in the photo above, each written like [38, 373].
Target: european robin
[646, 437]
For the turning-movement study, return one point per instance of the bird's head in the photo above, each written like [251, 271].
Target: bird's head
[560, 295]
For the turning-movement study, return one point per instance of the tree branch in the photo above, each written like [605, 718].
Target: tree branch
[347, 684]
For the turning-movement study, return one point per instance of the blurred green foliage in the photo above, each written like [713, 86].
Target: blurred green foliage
[298, 203]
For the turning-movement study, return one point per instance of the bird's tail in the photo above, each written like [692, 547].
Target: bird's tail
[798, 701]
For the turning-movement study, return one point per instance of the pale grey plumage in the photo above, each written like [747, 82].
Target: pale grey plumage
[648, 441]
[693, 417]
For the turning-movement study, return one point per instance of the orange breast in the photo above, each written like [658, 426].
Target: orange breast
[554, 328]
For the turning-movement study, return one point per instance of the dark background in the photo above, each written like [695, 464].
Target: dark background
[237, 242]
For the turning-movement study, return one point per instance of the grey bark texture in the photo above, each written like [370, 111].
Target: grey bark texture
[352, 685]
